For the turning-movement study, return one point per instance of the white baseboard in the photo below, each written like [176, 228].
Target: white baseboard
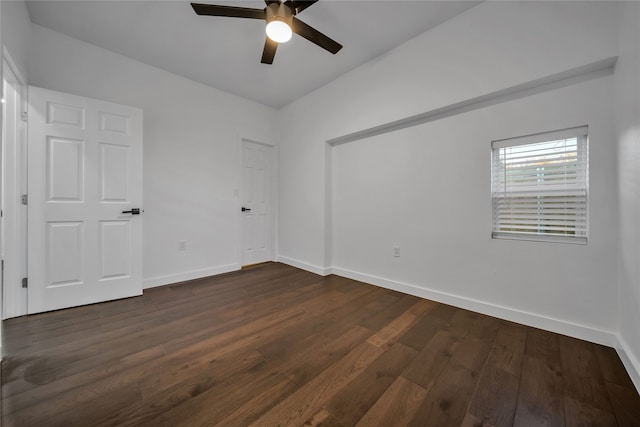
[583, 332]
[629, 360]
[322, 271]
[153, 282]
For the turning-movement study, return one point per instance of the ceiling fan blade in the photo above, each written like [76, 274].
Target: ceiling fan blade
[269, 51]
[315, 36]
[231, 11]
[298, 6]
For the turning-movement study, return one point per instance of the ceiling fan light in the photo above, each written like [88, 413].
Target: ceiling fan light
[279, 31]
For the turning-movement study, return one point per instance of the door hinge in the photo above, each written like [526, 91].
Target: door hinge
[25, 199]
[25, 282]
[25, 116]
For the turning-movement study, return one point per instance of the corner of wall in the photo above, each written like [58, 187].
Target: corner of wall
[631, 363]
[322, 271]
[627, 115]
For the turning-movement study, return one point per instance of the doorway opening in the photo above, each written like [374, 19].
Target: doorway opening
[13, 186]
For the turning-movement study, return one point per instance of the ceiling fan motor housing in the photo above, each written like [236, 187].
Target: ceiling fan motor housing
[280, 12]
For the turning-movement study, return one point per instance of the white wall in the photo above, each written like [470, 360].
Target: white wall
[427, 189]
[381, 186]
[490, 47]
[191, 150]
[627, 112]
[16, 32]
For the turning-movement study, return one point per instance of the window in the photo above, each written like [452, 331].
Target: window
[539, 187]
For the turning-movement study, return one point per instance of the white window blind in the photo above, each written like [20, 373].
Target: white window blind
[540, 186]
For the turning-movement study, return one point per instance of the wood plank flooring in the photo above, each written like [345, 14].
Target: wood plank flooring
[273, 345]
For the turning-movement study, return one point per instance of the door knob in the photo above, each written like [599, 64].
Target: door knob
[133, 211]
[245, 209]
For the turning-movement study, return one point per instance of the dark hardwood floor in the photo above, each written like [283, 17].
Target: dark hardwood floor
[273, 345]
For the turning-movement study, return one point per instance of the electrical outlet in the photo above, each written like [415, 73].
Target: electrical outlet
[396, 251]
[182, 245]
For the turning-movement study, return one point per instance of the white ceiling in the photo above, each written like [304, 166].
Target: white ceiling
[225, 52]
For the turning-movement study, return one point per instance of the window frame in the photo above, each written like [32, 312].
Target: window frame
[581, 133]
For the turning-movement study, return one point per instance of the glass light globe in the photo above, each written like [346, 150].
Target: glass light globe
[279, 31]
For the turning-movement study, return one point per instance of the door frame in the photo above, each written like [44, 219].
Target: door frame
[274, 195]
[14, 298]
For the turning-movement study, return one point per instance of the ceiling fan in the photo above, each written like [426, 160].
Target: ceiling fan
[281, 23]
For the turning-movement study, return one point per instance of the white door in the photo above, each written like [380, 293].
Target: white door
[255, 198]
[84, 180]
